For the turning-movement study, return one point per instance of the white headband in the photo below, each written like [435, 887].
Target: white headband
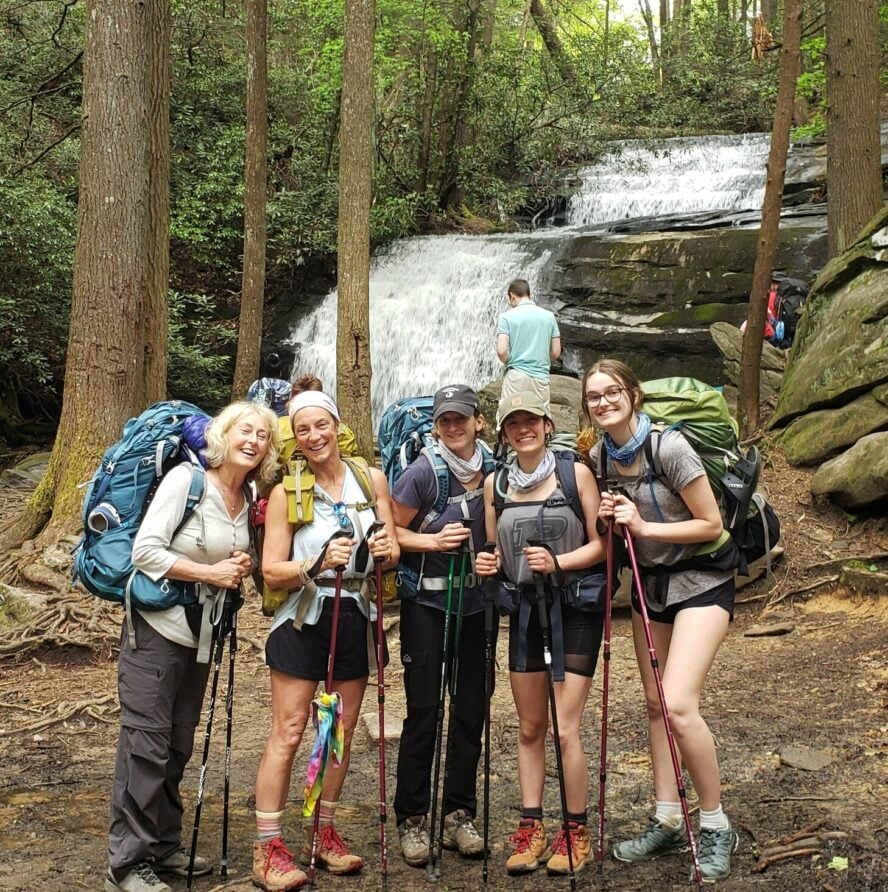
[312, 399]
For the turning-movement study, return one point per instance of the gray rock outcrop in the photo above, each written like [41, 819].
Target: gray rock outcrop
[858, 478]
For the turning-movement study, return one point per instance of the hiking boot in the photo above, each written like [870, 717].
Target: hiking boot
[714, 853]
[332, 853]
[141, 878]
[177, 863]
[529, 845]
[659, 839]
[414, 842]
[273, 867]
[580, 849]
[461, 835]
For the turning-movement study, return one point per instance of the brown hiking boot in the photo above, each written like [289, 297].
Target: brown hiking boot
[273, 867]
[580, 849]
[529, 842]
[332, 853]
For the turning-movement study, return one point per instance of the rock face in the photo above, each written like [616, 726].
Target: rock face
[651, 297]
[729, 340]
[858, 478]
[835, 389]
[564, 401]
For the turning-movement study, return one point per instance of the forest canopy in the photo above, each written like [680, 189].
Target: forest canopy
[477, 104]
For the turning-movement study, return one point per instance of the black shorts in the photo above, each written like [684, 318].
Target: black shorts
[303, 654]
[723, 595]
[582, 640]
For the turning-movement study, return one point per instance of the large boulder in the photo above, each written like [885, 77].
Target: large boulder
[857, 478]
[841, 347]
[729, 340]
[817, 436]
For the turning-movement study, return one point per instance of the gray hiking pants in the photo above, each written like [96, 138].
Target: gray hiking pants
[161, 689]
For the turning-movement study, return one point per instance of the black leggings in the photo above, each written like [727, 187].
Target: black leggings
[582, 640]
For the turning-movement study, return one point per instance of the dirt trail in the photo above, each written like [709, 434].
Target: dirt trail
[823, 685]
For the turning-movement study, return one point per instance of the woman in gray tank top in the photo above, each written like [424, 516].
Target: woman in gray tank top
[535, 507]
[689, 616]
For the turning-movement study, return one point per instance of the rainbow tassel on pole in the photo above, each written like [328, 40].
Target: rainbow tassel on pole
[326, 716]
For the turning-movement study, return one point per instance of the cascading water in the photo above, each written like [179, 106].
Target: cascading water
[679, 176]
[434, 300]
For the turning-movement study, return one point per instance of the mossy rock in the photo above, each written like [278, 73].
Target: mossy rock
[858, 478]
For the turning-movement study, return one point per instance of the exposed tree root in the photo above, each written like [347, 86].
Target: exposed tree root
[104, 709]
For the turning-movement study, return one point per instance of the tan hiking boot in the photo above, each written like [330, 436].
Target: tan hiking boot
[414, 842]
[580, 849]
[529, 842]
[461, 835]
[273, 867]
[332, 853]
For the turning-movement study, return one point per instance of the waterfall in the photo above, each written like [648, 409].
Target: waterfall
[678, 176]
[434, 302]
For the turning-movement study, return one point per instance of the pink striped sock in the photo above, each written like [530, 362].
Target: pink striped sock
[268, 825]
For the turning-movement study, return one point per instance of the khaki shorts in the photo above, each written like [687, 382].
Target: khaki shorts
[517, 382]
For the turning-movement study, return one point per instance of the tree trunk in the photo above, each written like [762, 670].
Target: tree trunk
[750, 359]
[853, 150]
[525, 21]
[249, 340]
[355, 183]
[427, 115]
[548, 31]
[769, 11]
[106, 361]
[648, 17]
[451, 190]
[722, 8]
[489, 25]
[155, 315]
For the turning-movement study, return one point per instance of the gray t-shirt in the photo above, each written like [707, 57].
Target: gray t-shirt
[657, 503]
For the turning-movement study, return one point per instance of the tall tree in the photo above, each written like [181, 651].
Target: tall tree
[249, 338]
[853, 150]
[108, 346]
[769, 231]
[549, 32]
[155, 313]
[353, 368]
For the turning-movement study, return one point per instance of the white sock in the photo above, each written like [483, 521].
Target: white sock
[668, 813]
[714, 820]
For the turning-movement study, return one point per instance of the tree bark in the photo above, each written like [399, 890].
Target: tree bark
[249, 340]
[353, 366]
[430, 68]
[769, 231]
[106, 360]
[769, 11]
[648, 17]
[525, 21]
[548, 31]
[155, 315]
[853, 150]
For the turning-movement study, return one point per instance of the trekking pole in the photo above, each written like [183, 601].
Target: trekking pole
[211, 709]
[380, 700]
[328, 686]
[606, 656]
[452, 683]
[432, 872]
[670, 739]
[488, 693]
[545, 628]
[229, 711]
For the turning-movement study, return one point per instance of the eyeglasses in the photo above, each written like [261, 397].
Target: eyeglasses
[611, 395]
[340, 509]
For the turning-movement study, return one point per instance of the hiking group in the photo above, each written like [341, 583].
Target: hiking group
[537, 537]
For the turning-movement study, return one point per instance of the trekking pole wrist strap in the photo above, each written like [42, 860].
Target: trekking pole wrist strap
[558, 575]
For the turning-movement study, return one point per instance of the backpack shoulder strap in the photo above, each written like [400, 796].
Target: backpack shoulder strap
[442, 484]
[566, 474]
[359, 466]
[488, 460]
[196, 491]
[500, 487]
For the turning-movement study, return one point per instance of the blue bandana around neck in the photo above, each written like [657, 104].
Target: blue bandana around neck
[625, 454]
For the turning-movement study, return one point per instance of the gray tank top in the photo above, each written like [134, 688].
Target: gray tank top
[553, 521]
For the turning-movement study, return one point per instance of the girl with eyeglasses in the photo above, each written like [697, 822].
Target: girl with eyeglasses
[535, 507]
[689, 608]
[304, 561]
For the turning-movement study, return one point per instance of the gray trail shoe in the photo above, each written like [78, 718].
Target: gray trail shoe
[177, 863]
[659, 839]
[414, 842]
[141, 878]
[714, 853]
[460, 834]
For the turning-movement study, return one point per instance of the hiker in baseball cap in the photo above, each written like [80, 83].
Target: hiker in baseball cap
[456, 398]
[522, 401]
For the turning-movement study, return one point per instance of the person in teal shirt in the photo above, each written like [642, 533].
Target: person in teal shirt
[527, 340]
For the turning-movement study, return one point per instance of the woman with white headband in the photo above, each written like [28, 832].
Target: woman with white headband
[304, 561]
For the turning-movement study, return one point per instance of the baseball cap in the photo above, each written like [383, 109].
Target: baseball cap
[522, 401]
[455, 398]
